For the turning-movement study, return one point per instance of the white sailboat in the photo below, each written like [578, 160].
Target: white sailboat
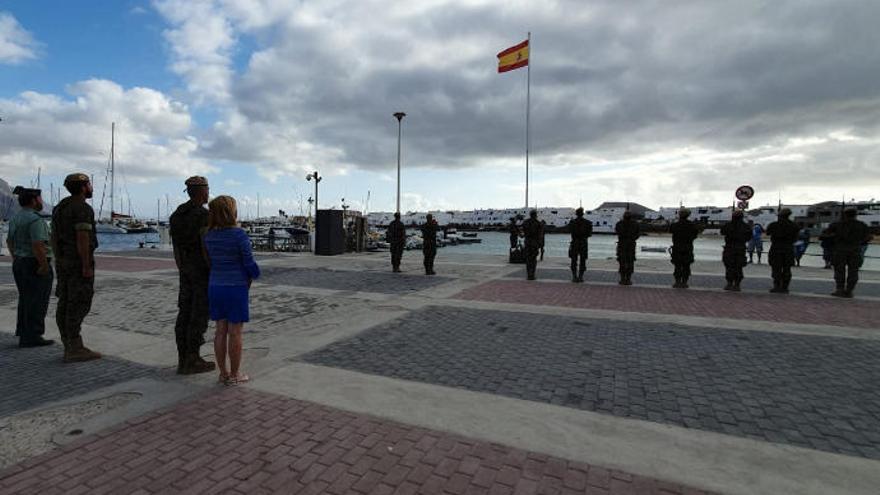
[108, 225]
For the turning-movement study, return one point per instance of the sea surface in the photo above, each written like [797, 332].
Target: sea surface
[556, 245]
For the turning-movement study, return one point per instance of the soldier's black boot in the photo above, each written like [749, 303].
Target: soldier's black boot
[574, 277]
[783, 289]
[76, 352]
[194, 364]
[684, 283]
[839, 291]
[580, 276]
[776, 287]
[736, 287]
[849, 290]
[729, 285]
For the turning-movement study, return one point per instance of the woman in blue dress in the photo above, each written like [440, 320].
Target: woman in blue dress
[232, 270]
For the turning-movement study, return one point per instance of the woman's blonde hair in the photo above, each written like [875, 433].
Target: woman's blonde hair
[222, 213]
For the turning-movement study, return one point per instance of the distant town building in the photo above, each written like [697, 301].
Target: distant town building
[603, 217]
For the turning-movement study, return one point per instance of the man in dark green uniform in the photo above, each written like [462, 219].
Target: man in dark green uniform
[429, 243]
[74, 242]
[849, 235]
[396, 236]
[187, 227]
[683, 234]
[783, 234]
[543, 238]
[628, 233]
[736, 234]
[532, 231]
[28, 243]
[581, 229]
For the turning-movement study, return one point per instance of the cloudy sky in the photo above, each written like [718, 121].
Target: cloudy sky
[647, 101]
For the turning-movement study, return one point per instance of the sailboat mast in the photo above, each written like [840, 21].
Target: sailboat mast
[112, 165]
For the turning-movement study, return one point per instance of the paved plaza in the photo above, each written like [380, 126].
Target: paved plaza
[471, 381]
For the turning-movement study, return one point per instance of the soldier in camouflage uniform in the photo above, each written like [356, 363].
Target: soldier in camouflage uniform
[396, 236]
[581, 229]
[429, 243]
[532, 231]
[783, 234]
[849, 235]
[74, 241]
[683, 234]
[188, 225]
[736, 234]
[628, 233]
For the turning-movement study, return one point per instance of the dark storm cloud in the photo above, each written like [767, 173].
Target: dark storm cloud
[610, 79]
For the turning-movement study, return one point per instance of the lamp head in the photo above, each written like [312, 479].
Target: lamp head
[399, 115]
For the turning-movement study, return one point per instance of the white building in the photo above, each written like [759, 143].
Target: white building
[604, 218]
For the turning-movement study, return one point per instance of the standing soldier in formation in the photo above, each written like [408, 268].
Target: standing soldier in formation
[28, 243]
[783, 234]
[683, 234]
[543, 238]
[429, 243]
[514, 232]
[532, 231]
[74, 241]
[188, 225]
[736, 234]
[581, 229]
[849, 235]
[396, 236]
[627, 233]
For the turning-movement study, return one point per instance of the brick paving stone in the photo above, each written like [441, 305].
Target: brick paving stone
[743, 305]
[823, 287]
[40, 377]
[123, 264]
[687, 376]
[174, 428]
[383, 282]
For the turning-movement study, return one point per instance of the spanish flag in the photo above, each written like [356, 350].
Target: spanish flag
[514, 57]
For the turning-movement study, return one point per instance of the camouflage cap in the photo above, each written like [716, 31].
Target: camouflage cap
[196, 180]
[579, 212]
[684, 212]
[75, 178]
[785, 212]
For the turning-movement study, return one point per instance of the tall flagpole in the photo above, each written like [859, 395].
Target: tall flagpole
[528, 107]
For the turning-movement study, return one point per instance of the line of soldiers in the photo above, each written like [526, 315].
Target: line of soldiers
[849, 235]
[396, 236]
[72, 244]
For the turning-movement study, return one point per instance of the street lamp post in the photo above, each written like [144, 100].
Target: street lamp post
[314, 175]
[399, 116]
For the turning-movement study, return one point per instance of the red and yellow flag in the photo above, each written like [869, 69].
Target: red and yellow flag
[514, 57]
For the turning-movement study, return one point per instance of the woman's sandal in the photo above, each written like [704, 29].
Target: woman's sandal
[223, 378]
[238, 379]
